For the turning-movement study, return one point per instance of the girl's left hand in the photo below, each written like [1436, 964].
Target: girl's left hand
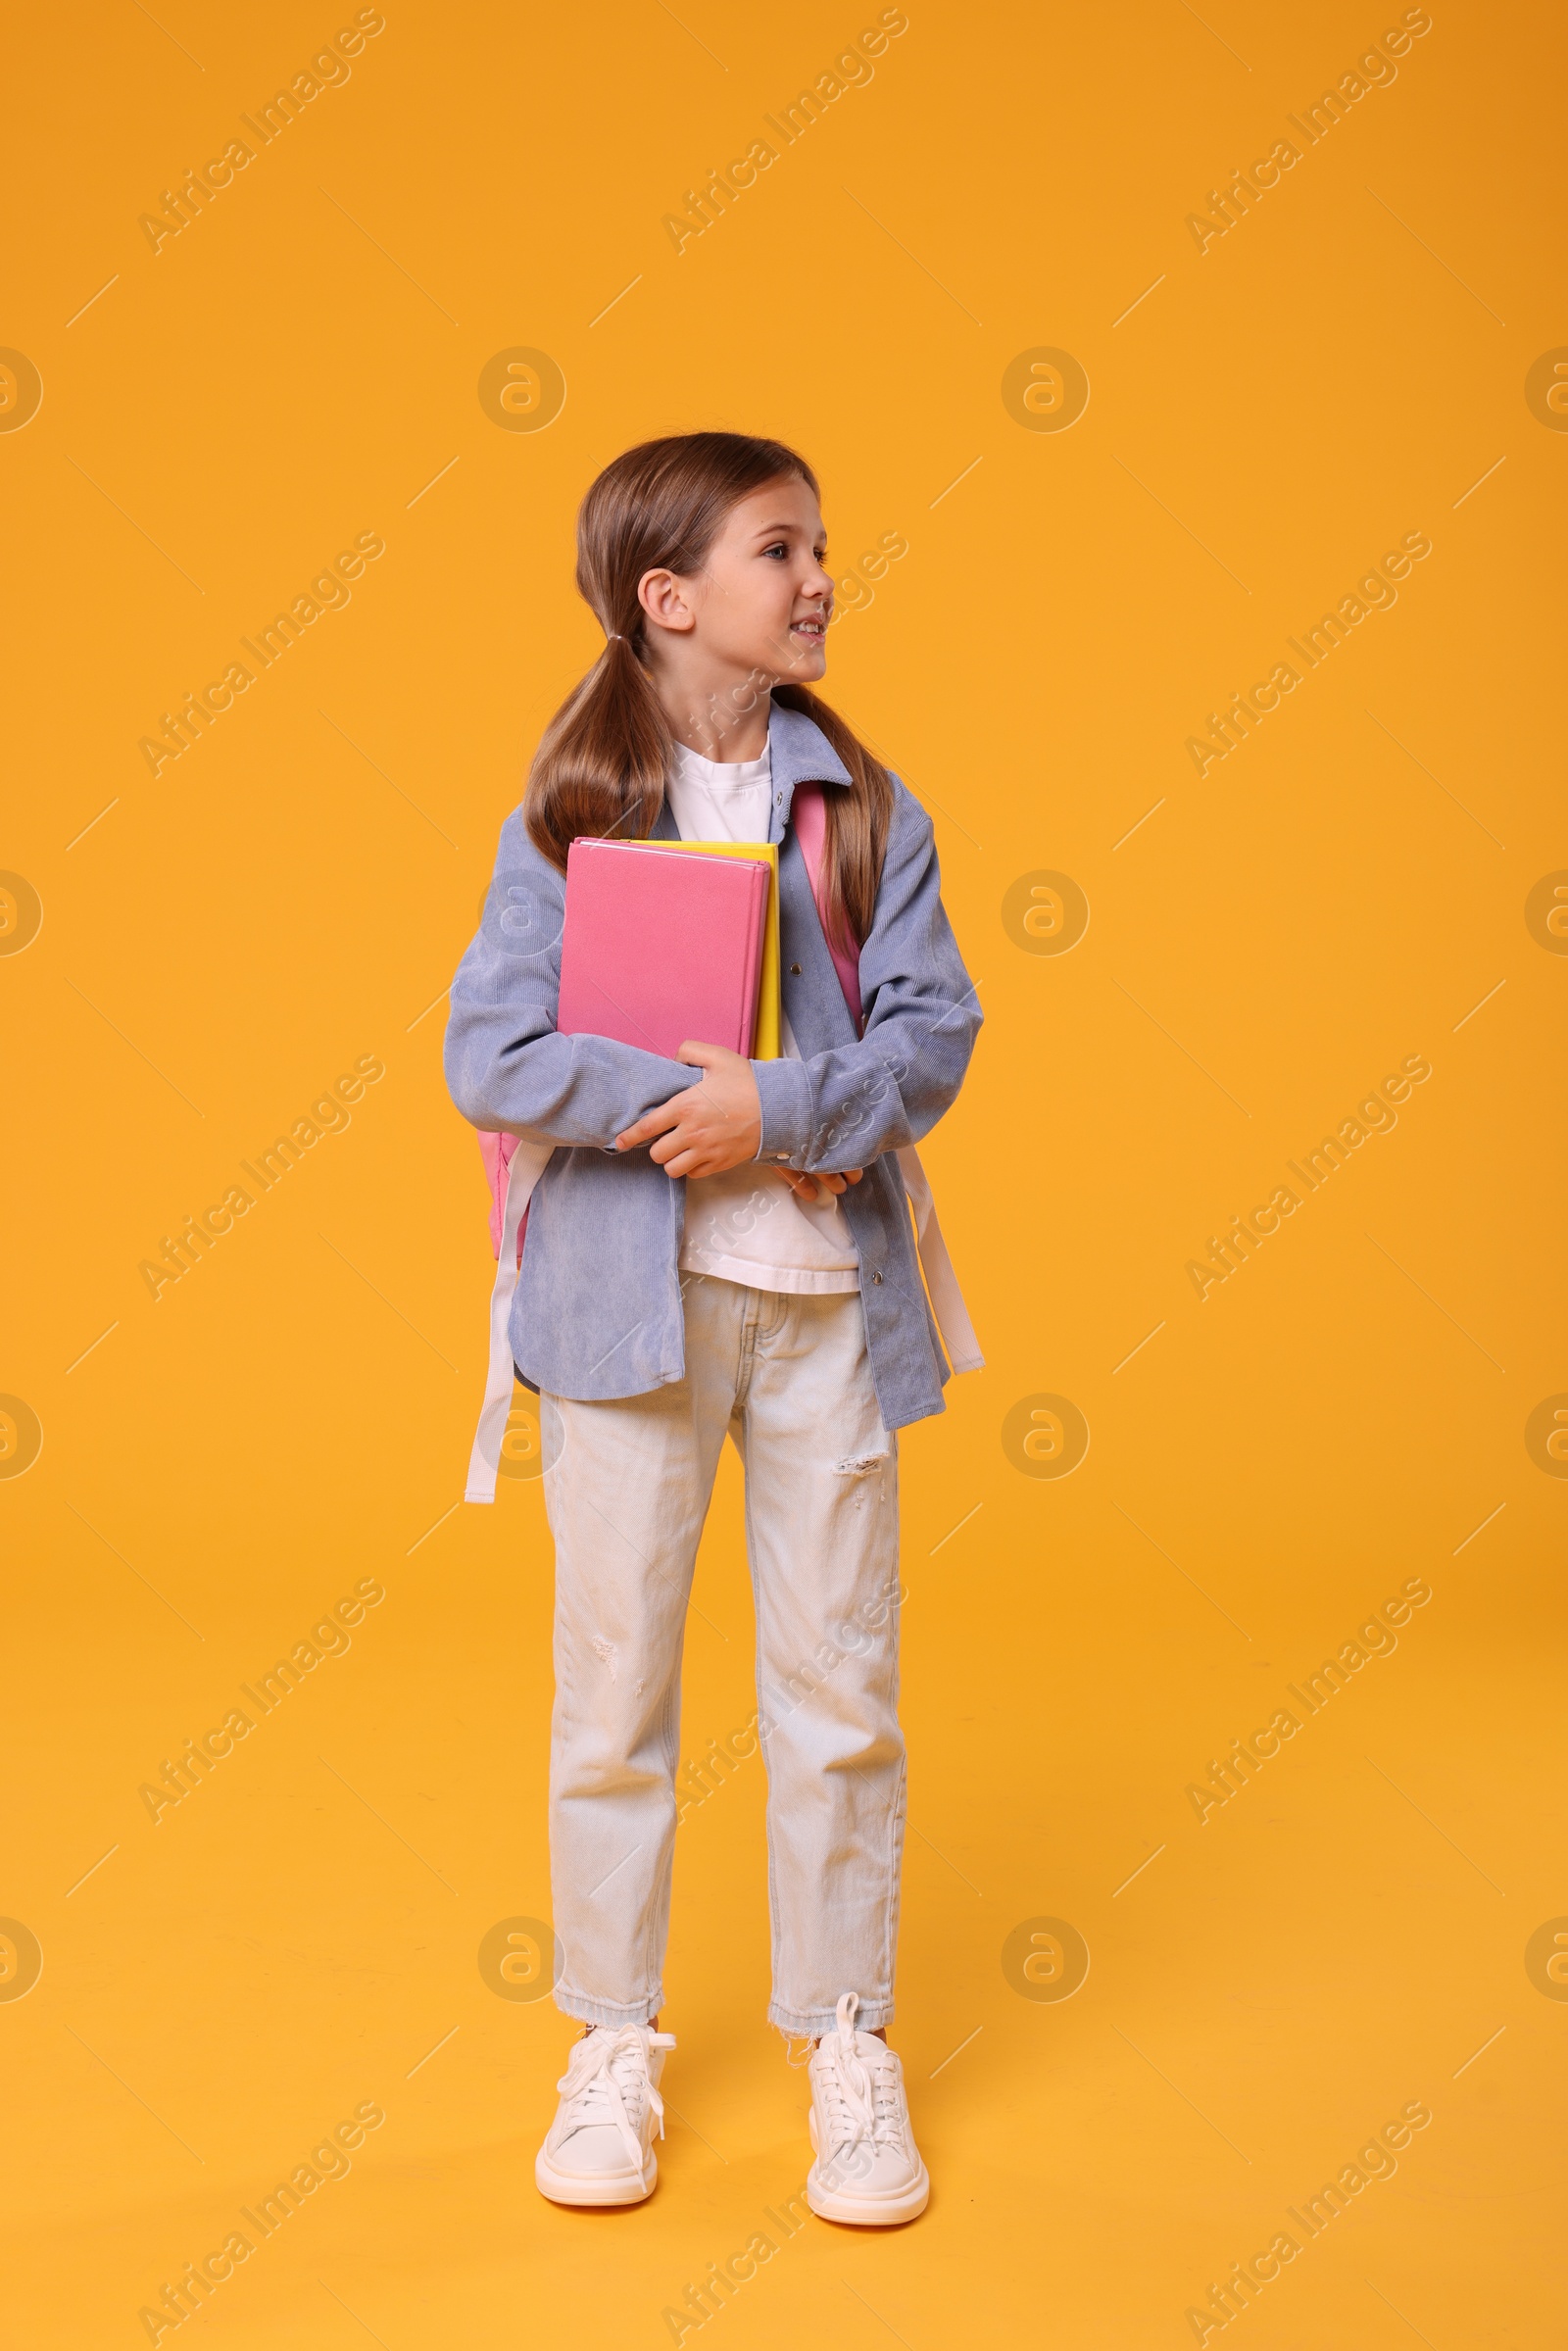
[708, 1128]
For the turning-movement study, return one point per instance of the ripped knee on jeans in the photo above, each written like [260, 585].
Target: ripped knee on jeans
[858, 1465]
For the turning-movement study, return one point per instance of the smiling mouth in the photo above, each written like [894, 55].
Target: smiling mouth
[815, 629]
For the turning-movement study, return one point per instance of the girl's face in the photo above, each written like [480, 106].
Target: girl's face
[762, 600]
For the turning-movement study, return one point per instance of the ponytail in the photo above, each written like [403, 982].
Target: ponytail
[602, 760]
[600, 764]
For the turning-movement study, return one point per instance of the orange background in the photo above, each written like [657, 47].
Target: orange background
[300, 364]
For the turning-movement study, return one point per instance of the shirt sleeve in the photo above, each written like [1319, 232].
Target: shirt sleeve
[844, 1107]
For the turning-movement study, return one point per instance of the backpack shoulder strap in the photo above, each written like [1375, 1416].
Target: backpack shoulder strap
[808, 816]
[518, 1171]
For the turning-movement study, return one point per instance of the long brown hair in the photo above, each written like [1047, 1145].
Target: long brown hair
[603, 759]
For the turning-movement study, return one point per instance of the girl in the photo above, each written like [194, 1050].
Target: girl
[723, 1246]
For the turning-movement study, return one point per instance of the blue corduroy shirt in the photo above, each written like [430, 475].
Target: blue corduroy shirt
[598, 1309]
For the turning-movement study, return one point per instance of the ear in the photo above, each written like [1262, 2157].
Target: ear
[664, 597]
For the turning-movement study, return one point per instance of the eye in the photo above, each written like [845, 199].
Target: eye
[778, 548]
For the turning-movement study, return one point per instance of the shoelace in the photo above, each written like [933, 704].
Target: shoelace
[606, 2080]
[861, 2098]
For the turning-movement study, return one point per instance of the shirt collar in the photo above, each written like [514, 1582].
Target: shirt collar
[801, 753]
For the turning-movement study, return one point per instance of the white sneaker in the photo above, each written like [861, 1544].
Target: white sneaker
[599, 2149]
[867, 2166]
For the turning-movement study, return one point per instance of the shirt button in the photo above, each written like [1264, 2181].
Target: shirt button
[796, 969]
[877, 1277]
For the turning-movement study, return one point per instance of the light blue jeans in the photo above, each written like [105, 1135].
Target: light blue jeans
[628, 1484]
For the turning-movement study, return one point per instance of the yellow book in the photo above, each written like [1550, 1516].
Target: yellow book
[766, 1047]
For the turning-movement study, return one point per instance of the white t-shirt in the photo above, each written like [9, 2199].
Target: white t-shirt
[747, 1225]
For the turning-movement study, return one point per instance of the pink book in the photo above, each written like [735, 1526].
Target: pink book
[660, 946]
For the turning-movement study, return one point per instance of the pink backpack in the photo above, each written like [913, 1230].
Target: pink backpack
[512, 1166]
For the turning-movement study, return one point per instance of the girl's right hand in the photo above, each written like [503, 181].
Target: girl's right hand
[818, 1187]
